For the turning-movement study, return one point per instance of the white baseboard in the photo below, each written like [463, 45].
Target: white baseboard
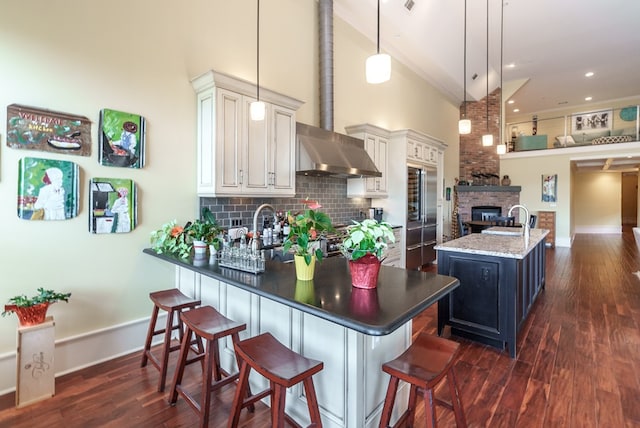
[77, 352]
[564, 242]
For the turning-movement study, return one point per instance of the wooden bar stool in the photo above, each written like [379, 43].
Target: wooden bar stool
[210, 326]
[423, 365]
[284, 369]
[173, 302]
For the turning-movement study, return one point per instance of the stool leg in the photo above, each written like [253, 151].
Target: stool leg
[147, 342]
[312, 402]
[235, 338]
[241, 390]
[458, 410]
[277, 405]
[411, 408]
[429, 408]
[206, 383]
[389, 401]
[165, 351]
[182, 362]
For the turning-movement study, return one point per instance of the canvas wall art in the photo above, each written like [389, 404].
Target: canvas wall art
[591, 121]
[47, 189]
[50, 131]
[122, 139]
[113, 205]
[549, 187]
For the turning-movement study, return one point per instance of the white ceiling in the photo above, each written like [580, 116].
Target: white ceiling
[551, 42]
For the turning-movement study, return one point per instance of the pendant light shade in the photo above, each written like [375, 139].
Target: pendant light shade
[501, 149]
[378, 66]
[464, 125]
[257, 108]
[487, 140]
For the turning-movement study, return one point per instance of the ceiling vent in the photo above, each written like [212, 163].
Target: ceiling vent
[409, 4]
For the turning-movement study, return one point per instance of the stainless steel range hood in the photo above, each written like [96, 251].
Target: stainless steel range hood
[326, 153]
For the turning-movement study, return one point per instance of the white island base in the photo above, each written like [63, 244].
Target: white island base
[351, 388]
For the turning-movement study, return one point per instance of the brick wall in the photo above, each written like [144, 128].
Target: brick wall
[505, 200]
[473, 156]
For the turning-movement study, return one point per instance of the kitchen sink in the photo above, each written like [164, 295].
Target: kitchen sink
[505, 231]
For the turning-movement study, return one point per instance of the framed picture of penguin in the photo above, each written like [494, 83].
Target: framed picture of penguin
[121, 139]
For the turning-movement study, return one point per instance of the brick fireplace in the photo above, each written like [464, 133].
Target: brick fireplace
[502, 196]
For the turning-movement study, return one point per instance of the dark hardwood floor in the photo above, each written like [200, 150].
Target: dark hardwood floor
[578, 363]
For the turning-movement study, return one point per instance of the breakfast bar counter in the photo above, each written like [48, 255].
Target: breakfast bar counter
[353, 331]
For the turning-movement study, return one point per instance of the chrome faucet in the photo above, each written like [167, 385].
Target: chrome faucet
[525, 225]
[255, 217]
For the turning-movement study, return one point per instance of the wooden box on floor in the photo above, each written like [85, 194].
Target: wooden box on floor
[35, 369]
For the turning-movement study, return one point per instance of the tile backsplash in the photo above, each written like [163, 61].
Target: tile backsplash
[330, 192]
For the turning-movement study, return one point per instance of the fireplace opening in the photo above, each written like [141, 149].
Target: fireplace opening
[482, 211]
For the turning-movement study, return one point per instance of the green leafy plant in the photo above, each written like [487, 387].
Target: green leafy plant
[366, 237]
[43, 296]
[306, 228]
[205, 229]
[171, 239]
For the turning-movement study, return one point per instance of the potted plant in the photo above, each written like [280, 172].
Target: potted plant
[33, 310]
[306, 228]
[171, 239]
[204, 231]
[363, 247]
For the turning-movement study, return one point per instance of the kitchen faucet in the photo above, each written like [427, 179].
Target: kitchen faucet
[525, 225]
[255, 217]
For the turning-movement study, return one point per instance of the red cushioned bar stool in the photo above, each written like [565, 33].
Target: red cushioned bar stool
[423, 365]
[284, 369]
[210, 326]
[173, 302]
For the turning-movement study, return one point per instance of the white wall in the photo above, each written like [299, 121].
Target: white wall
[80, 57]
[597, 202]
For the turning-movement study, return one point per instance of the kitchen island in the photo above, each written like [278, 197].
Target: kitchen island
[353, 331]
[501, 273]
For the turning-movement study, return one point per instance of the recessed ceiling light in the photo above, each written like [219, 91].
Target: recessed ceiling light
[589, 74]
[515, 110]
[510, 102]
[511, 65]
[588, 98]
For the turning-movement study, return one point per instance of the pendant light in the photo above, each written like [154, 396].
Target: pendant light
[464, 124]
[378, 66]
[487, 139]
[257, 108]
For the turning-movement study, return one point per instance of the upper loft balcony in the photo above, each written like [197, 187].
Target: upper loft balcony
[590, 128]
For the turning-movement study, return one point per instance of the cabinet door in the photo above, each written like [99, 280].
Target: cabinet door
[255, 151]
[282, 171]
[228, 141]
[371, 147]
[381, 164]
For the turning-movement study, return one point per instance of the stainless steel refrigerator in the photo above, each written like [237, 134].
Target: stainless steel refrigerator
[422, 198]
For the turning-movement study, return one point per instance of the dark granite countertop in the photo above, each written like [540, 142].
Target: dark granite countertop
[401, 294]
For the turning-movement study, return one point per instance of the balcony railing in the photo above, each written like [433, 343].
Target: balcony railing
[607, 126]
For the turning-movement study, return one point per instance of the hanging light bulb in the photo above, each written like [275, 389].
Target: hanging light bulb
[378, 66]
[501, 149]
[464, 124]
[257, 108]
[487, 139]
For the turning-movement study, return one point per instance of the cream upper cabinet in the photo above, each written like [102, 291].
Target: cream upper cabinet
[376, 144]
[422, 151]
[239, 156]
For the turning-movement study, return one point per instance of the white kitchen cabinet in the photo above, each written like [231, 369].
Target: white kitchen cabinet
[376, 144]
[422, 151]
[239, 156]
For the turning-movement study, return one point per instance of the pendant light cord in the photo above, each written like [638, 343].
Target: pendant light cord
[258, 51]
[464, 84]
[378, 42]
[501, 134]
[487, 66]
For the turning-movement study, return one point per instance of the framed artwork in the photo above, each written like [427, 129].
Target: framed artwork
[591, 121]
[47, 189]
[121, 139]
[34, 128]
[114, 205]
[549, 187]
